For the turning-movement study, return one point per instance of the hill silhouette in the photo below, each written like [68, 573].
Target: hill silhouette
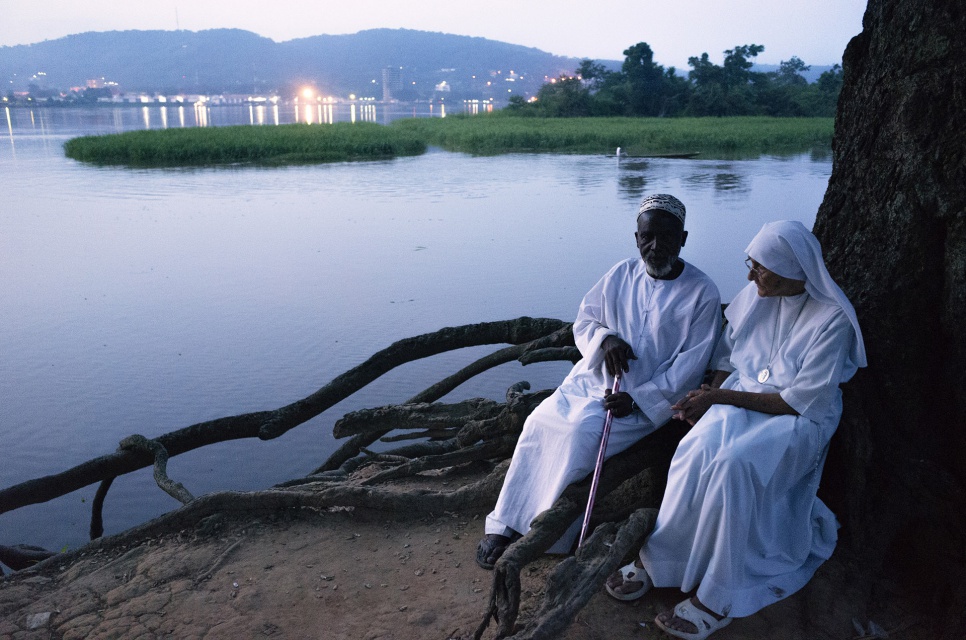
[238, 61]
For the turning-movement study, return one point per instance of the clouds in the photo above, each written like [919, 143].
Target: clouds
[814, 30]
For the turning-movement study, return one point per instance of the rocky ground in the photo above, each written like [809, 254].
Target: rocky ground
[357, 574]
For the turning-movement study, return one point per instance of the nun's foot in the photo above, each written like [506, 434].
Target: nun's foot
[691, 620]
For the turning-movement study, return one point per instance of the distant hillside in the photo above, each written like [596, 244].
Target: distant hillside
[236, 61]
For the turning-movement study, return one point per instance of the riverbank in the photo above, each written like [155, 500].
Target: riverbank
[363, 574]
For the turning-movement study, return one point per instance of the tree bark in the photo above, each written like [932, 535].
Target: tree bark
[893, 225]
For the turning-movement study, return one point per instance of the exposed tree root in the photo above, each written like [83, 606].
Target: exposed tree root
[415, 416]
[97, 509]
[631, 471]
[21, 556]
[174, 489]
[576, 579]
[525, 333]
[463, 433]
[256, 504]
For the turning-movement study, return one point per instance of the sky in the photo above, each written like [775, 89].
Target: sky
[816, 31]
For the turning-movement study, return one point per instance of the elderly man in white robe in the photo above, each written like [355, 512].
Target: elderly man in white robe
[740, 521]
[655, 320]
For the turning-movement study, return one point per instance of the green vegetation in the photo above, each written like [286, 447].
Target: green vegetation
[287, 144]
[645, 88]
[498, 133]
[481, 135]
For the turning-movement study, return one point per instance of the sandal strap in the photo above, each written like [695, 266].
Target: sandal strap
[702, 620]
[630, 573]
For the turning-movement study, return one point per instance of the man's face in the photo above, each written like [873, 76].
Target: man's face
[660, 237]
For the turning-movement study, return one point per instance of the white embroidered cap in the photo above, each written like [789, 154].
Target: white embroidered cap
[663, 202]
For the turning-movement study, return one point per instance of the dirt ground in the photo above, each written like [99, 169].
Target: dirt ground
[354, 574]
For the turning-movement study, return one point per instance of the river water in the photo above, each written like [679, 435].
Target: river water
[147, 300]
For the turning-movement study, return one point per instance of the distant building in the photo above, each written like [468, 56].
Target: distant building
[391, 83]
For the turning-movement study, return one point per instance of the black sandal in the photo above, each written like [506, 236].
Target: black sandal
[491, 547]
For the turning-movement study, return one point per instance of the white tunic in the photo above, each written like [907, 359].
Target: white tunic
[740, 516]
[672, 326]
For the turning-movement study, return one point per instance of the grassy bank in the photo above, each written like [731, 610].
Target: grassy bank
[498, 133]
[483, 135]
[286, 144]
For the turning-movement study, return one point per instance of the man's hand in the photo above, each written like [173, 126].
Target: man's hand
[620, 404]
[617, 355]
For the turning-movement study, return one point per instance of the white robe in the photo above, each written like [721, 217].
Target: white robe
[672, 326]
[740, 516]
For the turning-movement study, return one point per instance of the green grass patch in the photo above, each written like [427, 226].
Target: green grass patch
[500, 133]
[286, 144]
[480, 135]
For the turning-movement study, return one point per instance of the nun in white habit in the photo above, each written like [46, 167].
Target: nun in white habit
[740, 521]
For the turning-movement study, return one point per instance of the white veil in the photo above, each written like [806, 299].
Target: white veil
[787, 248]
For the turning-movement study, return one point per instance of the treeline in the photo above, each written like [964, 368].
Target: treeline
[645, 88]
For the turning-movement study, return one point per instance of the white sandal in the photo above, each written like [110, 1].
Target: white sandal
[704, 622]
[632, 573]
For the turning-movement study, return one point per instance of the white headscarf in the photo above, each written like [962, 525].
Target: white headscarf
[790, 250]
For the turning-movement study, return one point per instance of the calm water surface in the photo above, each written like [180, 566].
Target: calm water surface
[144, 301]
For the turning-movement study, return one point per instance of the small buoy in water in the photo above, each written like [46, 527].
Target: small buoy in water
[618, 154]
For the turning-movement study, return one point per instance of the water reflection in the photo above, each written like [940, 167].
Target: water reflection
[475, 107]
[631, 179]
[633, 185]
[725, 179]
[103, 119]
[730, 182]
[820, 155]
[13, 147]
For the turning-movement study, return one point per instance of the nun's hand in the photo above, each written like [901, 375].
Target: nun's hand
[695, 404]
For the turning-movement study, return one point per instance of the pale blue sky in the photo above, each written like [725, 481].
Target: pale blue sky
[814, 30]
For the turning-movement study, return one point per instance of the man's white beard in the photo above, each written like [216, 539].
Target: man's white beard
[659, 270]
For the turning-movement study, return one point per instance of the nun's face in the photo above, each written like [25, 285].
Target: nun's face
[770, 283]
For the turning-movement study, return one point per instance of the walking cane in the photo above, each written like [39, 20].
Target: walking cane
[608, 419]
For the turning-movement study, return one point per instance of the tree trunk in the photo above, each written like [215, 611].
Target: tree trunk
[893, 225]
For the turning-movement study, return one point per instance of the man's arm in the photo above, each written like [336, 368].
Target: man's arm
[593, 326]
[687, 367]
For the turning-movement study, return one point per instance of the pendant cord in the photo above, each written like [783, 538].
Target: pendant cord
[773, 351]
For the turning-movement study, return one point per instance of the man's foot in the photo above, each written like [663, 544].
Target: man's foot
[489, 550]
[691, 620]
[630, 582]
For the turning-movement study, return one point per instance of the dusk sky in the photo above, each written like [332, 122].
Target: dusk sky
[816, 31]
